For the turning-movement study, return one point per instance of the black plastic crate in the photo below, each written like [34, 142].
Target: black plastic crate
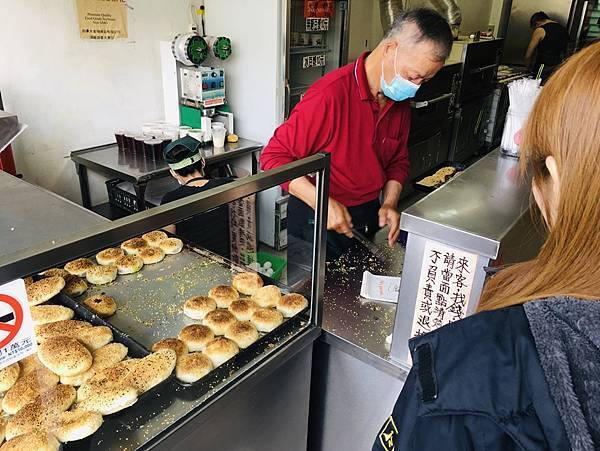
[121, 198]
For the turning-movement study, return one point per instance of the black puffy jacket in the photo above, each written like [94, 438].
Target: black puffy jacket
[520, 378]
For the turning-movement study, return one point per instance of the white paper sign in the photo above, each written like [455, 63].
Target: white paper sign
[444, 287]
[17, 337]
[313, 61]
[380, 288]
[317, 23]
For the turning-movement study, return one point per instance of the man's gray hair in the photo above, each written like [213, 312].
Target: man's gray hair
[431, 26]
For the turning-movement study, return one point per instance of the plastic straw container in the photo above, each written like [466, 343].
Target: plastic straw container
[522, 95]
[514, 123]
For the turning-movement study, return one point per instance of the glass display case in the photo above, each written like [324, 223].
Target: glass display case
[271, 369]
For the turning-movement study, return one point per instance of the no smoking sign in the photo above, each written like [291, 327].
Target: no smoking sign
[17, 337]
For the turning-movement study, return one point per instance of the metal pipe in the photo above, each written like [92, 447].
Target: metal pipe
[449, 9]
[388, 11]
[581, 23]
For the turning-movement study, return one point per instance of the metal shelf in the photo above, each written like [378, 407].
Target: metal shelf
[298, 90]
[304, 50]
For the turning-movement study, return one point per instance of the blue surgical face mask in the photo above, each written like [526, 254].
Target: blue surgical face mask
[400, 88]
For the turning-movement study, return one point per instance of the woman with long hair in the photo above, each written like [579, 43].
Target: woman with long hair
[524, 373]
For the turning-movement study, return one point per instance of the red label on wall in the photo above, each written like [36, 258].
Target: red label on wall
[319, 8]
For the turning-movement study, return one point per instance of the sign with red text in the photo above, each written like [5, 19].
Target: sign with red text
[17, 336]
[319, 8]
[445, 285]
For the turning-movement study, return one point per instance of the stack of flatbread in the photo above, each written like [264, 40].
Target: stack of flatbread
[439, 178]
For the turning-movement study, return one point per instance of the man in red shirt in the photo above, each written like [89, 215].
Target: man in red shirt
[360, 114]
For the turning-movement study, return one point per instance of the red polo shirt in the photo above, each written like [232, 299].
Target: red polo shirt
[339, 115]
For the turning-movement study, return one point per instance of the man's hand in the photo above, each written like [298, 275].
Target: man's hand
[338, 218]
[389, 216]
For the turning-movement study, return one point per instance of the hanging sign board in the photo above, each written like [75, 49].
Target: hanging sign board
[102, 19]
[445, 284]
[17, 337]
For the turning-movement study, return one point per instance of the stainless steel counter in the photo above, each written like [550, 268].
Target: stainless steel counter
[482, 202]
[107, 160]
[31, 216]
[352, 323]
[354, 382]
[354, 371]
[479, 206]
[483, 212]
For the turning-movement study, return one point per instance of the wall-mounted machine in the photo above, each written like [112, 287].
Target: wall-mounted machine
[201, 89]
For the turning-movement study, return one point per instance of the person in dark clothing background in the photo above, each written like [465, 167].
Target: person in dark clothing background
[523, 373]
[549, 44]
[209, 230]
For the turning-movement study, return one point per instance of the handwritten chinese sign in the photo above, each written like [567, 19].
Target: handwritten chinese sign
[102, 19]
[313, 61]
[444, 287]
[17, 338]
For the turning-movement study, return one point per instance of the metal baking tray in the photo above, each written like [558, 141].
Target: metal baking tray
[139, 323]
[150, 303]
[135, 349]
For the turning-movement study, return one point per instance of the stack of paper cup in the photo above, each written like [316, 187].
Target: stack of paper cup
[196, 133]
[184, 130]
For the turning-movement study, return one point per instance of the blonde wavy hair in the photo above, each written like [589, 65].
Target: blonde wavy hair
[564, 124]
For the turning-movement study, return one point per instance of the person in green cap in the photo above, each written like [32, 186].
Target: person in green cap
[209, 230]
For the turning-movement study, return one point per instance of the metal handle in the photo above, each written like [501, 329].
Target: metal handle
[288, 99]
[425, 103]
[581, 22]
[478, 70]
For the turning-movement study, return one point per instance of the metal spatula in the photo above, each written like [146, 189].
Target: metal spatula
[372, 248]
